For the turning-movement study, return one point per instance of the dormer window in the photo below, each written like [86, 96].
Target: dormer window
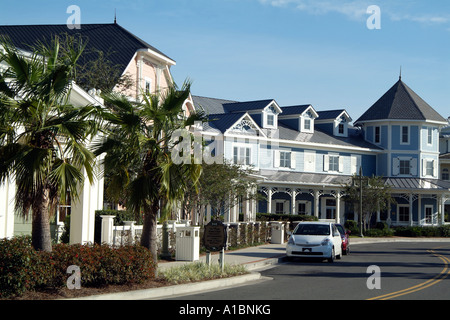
[270, 120]
[270, 115]
[341, 126]
[307, 122]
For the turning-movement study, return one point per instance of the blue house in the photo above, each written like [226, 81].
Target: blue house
[303, 157]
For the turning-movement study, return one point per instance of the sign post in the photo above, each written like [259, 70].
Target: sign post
[215, 239]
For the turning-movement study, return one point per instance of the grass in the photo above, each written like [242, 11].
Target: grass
[200, 271]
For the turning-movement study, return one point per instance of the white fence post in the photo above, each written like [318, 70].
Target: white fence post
[107, 229]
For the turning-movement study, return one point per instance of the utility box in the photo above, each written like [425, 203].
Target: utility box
[187, 244]
[277, 232]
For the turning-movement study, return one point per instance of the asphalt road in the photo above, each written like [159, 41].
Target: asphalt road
[403, 270]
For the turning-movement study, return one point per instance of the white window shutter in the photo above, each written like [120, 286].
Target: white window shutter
[435, 168]
[413, 166]
[396, 166]
[354, 165]
[292, 159]
[424, 167]
[341, 163]
[326, 162]
[276, 158]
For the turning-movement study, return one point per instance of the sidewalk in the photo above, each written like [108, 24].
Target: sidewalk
[252, 257]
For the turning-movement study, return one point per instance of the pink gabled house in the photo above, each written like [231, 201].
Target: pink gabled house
[149, 71]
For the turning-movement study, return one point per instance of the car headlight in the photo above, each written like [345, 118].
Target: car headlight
[291, 241]
[325, 242]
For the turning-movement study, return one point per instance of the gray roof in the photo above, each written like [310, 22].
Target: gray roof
[305, 179]
[210, 105]
[400, 103]
[327, 180]
[417, 184]
[354, 138]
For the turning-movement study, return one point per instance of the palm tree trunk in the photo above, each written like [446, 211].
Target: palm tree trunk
[40, 232]
[149, 236]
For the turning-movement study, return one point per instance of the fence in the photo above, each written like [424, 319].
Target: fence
[238, 233]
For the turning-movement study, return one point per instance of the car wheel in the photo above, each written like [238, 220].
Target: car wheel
[333, 256]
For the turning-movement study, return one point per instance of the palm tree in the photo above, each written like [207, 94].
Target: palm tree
[42, 136]
[138, 162]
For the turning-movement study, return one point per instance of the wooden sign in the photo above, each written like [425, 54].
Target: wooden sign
[215, 236]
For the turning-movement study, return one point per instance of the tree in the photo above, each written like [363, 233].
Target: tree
[138, 158]
[42, 136]
[234, 185]
[376, 196]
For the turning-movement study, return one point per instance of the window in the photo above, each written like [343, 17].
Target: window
[285, 159]
[301, 208]
[430, 135]
[445, 174]
[241, 155]
[341, 128]
[403, 213]
[405, 134]
[405, 166]
[279, 207]
[148, 86]
[307, 124]
[377, 135]
[428, 214]
[429, 168]
[333, 164]
[270, 119]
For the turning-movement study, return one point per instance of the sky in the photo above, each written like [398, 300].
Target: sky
[332, 54]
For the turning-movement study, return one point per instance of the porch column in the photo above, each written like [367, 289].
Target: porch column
[316, 203]
[293, 196]
[410, 209]
[82, 218]
[338, 207]
[269, 200]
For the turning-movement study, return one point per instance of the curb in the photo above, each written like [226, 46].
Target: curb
[164, 292]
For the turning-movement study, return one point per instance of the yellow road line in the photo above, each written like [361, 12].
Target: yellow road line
[441, 276]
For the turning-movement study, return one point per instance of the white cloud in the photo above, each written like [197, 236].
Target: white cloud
[357, 10]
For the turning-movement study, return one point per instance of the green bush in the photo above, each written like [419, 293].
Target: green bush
[22, 268]
[284, 217]
[352, 226]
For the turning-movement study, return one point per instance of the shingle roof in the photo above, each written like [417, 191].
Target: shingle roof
[329, 114]
[402, 103]
[224, 121]
[109, 38]
[247, 105]
[294, 109]
[210, 105]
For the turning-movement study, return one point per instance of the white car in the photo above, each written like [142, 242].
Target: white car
[315, 239]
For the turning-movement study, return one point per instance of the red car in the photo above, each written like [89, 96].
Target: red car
[345, 241]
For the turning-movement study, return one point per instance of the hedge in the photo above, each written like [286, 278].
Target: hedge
[22, 268]
[284, 217]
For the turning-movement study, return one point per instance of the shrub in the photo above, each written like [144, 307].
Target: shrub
[284, 217]
[352, 226]
[22, 268]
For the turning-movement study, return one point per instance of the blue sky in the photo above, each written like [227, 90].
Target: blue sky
[294, 51]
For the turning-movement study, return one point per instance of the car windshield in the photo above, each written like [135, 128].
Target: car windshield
[341, 229]
[313, 229]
